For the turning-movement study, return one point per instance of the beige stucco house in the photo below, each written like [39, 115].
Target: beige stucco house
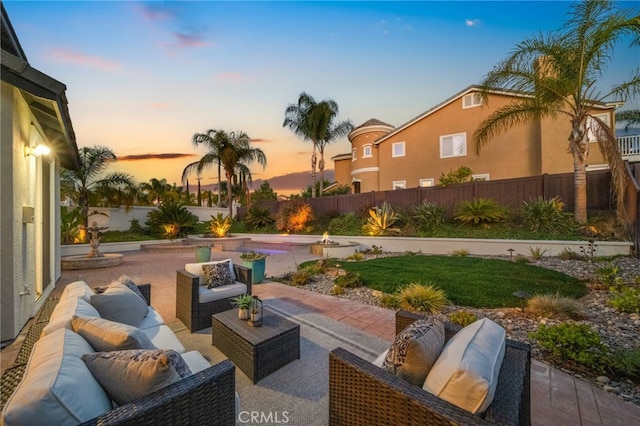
[439, 140]
[34, 115]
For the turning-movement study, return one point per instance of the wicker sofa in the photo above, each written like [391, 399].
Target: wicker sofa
[362, 394]
[206, 397]
[195, 313]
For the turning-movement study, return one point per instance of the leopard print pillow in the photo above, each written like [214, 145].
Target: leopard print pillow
[217, 275]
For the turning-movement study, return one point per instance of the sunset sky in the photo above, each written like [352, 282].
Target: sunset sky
[143, 77]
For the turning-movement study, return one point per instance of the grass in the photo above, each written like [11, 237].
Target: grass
[466, 281]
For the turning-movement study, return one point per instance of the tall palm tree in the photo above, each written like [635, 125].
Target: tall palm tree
[334, 132]
[560, 72]
[312, 121]
[212, 142]
[87, 179]
[630, 117]
[155, 191]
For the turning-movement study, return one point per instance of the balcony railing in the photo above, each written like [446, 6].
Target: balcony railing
[629, 146]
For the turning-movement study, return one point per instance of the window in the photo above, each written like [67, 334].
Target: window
[471, 100]
[483, 176]
[424, 183]
[356, 186]
[354, 157]
[397, 149]
[592, 123]
[366, 151]
[453, 145]
[399, 184]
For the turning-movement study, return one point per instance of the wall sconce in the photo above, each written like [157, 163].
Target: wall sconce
[38, 151]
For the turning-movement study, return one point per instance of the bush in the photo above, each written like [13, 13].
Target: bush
[627, 299]
[460, 175]
[462, 318]
[573, 342]
[547, 216]
[357, 256]
[608, 274]
[301, 277]
[258, 218]
[348, 224]
[555, 306]
[294, 216]
[219, 225]
[171, 220]
[428, 217]
[627, 363]
[417, 297]
[389, 301]
[568, 254]
[460, 253]
[536, 253]
[135, 227]
[380, 221]
[337, 290]
[480, 211]
[349, 280]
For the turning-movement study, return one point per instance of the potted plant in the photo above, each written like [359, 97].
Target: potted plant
[243, 303]
[203, 253]
[257, 262]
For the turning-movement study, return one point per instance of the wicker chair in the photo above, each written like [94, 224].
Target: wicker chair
[190, 311]
[362, 394]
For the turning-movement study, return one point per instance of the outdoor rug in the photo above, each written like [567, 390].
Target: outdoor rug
[298, 393]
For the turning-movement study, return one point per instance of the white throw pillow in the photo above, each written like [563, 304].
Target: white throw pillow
[77, 289]
[105, 335]
[57, 387]
[196, 269]
[65, 310]
[466, 373]
[118, 303]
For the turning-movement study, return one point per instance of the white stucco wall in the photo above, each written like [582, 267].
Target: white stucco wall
[119, 219]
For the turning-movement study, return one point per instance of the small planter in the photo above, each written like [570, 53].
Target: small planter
[243, 314]
[257, 269]
[203, 254]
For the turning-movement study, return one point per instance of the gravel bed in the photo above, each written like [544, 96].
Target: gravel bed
[617, 330]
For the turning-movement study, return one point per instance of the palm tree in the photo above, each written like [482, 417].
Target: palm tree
[212, 142]
[334, 132]
[559, 71]
[155, 191]
[313, 121]
[630, 117]
[82, 182]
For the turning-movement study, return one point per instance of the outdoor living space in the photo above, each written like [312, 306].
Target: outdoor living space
[298, 392]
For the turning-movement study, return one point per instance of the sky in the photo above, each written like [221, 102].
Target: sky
[143, 77]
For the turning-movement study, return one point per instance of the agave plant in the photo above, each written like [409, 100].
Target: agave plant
[480, 211]
[381, 220]
[219, 225]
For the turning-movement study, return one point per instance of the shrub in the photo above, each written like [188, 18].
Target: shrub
[568, 254]
[460, 253]
[389, 301]
[294, 216]
[462, 318]
[627, 363]
[428, 216]
[301, 277]
[417, 297]
[336, 290]
[348, 280]
[348, 224]
[608, 274]
[555, 306]
[546, 215]
[627, 299]
[171, 220]
[135, 227]
[573, 342]
[219, 225]
[258, 218]
[380, 221]
[356, 256]
[320, 267]
[480, 211]
[536, 252]
[460, 175]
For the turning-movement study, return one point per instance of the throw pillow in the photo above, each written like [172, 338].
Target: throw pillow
[131, 285]
[105, 335]
[129, 375]
[415, 349]
[217, 275]
[118, 303]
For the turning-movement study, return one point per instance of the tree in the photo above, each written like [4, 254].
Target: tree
[86, 180]
[264, 193]
[212, 142]
[313, 121]
[559, 72]
[156, 191]
[334, 132]
[630, 117]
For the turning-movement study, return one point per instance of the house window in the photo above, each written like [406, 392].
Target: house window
[399, 184]
[397, 149]
[354, 157]
[366, 151]
[356, 187]
[483, 176]
[591, 123]
[424, 183]
[453, 145]
[471, 100]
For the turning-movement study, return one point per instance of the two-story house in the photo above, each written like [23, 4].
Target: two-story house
[439, 140]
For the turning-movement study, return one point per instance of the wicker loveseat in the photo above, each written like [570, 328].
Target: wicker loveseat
[196, 314]
[362, 394]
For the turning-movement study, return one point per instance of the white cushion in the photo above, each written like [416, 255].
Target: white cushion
[380, 359]
[466, 373]
[163, 337]
[196, 269]
[118, 303]
[77, 289]
[57, 387]
[216, 293]
[65, 310]
[152, 319]
[195, 361]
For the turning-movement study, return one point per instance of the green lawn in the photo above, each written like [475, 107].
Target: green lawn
[467, 281]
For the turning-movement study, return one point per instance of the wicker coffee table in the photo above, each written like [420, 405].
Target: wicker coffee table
[257, 351]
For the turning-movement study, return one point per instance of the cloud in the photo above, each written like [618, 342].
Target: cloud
[260, 140]
[169, 156]
[159, 105]
[230, 76]
[189, 40]
[68, 56]
[471, 22]
[154, 11]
